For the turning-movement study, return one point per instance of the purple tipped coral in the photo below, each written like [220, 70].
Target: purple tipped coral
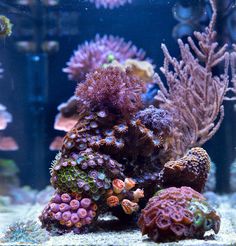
[66, 212]
[159, 120]
[111, 88]
[109, 4]
[92, 55]
[177, 213]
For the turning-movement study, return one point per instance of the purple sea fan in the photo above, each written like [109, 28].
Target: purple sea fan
[109, 4]
[102, 50]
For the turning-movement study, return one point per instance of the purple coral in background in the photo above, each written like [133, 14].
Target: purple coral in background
[102, 50]
[109, 4]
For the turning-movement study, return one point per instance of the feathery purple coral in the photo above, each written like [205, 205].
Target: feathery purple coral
[92, 55]
[111, 88]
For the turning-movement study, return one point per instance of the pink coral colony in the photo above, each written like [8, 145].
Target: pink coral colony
[102, 50]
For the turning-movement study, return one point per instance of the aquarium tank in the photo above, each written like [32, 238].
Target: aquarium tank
[118, 122]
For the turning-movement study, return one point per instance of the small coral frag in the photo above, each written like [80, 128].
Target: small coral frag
[177, 213]
[68, 212]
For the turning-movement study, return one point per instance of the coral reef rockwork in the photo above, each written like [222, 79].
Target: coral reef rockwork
[102, 50]
[111, 155]
[109, 4]
[119, 152]
[177, 213]
[68, 113]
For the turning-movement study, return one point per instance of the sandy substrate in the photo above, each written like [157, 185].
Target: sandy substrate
[112, 234]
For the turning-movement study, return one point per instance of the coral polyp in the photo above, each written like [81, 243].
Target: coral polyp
[109, 4]
[102, 50]
[177, 213]
[68, 212]
[111, 88]
[86, 173]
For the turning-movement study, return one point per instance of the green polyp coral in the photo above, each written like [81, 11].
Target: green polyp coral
[110, 58]
[5, 26]
[86, 173]
[203, 215]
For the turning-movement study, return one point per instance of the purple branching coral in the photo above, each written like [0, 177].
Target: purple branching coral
[111, 88]
[178, 213]
[109, 4]
[103, 50]
[194, 95]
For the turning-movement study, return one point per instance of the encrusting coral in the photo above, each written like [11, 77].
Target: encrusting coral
[177, 213]
[103, 50]
[191, 170]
